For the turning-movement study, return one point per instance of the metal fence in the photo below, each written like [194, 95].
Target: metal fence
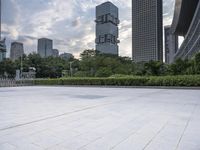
[13, 83]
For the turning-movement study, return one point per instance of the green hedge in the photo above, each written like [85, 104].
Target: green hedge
[174, 81]
[189, 80]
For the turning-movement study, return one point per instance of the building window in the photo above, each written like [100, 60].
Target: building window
[102, 39]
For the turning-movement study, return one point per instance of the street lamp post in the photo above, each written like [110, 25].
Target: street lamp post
[21, 68]
[70, 64]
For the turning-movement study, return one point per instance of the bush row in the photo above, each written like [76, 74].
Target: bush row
[126, 81]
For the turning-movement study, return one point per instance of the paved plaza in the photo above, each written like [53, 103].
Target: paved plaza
[83, 118]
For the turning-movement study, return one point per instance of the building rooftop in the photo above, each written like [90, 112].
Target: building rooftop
[107, 3]
[44, 39]
[16, 42]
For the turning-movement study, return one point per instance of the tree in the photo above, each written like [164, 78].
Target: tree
[93, 63]
[155, 68]
[179, 67]
[104, 72]
[7, 67]
[197, 63]
[88, 54]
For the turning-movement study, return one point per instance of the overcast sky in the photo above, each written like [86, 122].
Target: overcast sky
[70, 23]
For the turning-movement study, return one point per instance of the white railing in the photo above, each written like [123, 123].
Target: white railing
[13, 83]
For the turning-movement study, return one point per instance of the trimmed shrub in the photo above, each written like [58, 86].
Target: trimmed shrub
[187, 80]
[48, 82]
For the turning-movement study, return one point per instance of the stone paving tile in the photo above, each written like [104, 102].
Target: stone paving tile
[67, 118]
[24, 144]
[143, 137]
[57, 147]
[45, 139]
[7, 146]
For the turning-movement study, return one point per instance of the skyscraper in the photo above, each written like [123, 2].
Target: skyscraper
[66, 56]
[2, 42]
[2, 50]
[55, 52]
[0, 19]
[147, 28]
[45, 47]
[16, 50]
[107, 20]
[171, 45]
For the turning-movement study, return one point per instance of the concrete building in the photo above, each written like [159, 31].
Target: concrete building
[186, 23]
[45, 47]
[55, 53]
[16, 50]
[171, 45]
[147, 28]
[2, 42]
[107, 20]
[0, 19]
[2, 50]
[66, 56]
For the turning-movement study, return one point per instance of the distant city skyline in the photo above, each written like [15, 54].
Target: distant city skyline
[70, 24]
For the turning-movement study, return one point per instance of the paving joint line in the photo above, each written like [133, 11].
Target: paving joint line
[186, 126]
[64, 114]
[155, 136]
[68, 113]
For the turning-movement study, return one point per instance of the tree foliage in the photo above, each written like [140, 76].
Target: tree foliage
[94, 64]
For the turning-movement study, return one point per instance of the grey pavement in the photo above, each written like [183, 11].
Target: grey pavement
[84, 118]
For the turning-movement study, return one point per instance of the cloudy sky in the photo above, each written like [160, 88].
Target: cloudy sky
[70, 23]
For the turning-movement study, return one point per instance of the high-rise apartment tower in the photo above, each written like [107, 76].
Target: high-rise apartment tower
[147, 28]
[2, 42]
[16, 50]
[45, 47]
[107, 20]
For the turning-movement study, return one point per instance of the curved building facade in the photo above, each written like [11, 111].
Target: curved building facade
[183, 15]
[186, 23]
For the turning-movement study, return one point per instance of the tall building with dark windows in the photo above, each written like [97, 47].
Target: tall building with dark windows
[2, 42]
[0, 19]
[45, 47]
[66, 56]
[171, 45]
[107, 20]
[147, 28]
[2, 50]
[55, 53]
[16, 50]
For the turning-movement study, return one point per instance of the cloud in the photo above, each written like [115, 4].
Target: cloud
[10, 11]
[76, 22]
[70, 23]
[168, 11]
